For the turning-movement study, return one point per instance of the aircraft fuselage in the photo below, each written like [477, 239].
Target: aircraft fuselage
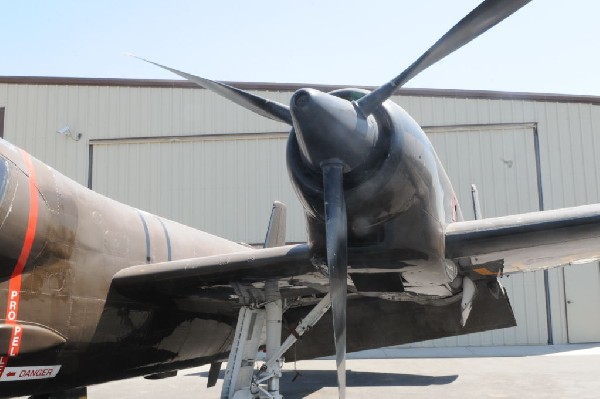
[61, 245]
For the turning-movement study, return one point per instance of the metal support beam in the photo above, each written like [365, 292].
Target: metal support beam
[476, 206]
[309, 320]
[274, 311]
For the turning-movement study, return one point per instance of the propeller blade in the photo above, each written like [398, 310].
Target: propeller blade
[337, 260]
[261, 106]
[483, 17]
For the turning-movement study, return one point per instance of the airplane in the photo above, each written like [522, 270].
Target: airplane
[96, 290]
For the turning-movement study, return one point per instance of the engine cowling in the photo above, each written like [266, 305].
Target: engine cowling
[398, 196]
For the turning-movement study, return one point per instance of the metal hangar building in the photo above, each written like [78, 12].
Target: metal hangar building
[174, 149]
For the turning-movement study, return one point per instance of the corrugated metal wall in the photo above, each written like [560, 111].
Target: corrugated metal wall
[224, 185]
[106, 115]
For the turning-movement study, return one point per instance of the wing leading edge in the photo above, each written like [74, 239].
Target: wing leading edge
[526, 242]
[248, 266]
[503, 245]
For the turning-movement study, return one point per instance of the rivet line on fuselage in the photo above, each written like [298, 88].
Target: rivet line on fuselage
[167, 238]
[147, 233]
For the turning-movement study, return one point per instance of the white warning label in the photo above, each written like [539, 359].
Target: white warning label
[29, 373]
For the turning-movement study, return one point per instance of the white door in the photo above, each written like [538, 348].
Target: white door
[582, 292]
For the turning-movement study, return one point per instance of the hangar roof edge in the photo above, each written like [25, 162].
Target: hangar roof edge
[263, 86]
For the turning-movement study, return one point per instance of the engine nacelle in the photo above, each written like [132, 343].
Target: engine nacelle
[398, 197]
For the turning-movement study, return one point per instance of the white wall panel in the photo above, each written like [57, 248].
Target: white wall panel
[35, 112]
[224, 186]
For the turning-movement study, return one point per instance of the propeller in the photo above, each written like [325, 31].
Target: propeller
[333, 139]
[262, 106]
[488, 14]
[337, 260]
[336, 136]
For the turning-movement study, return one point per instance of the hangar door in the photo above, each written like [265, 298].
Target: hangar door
[224, 185]
[501, 161]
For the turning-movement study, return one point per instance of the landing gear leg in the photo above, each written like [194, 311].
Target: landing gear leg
[241, 381]
[274, 311]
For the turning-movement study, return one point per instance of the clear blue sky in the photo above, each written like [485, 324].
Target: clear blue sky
[548, 46]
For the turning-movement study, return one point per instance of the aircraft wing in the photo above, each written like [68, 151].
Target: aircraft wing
[245, 267]
[526, 242]
[502, 245]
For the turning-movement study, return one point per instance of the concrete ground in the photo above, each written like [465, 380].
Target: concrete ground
[560, 371]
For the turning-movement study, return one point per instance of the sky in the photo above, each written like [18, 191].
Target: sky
[549, 46]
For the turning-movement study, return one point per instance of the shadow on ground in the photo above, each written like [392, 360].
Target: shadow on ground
[305, 382]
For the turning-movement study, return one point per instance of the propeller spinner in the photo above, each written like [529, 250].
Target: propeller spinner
[336, 136]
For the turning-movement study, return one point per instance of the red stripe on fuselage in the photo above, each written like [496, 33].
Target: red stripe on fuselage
[14, 286]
